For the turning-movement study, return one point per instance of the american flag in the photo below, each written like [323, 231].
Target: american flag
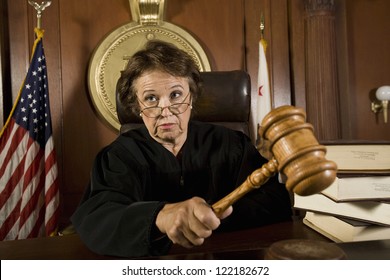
[29, 189]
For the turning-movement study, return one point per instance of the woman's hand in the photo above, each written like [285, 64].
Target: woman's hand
[189, 222]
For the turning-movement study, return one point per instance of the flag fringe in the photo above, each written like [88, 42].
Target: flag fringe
[264, 43]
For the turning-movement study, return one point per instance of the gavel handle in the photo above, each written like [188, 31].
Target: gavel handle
[253, 181]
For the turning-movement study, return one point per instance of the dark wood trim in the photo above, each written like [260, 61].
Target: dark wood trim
[5, 80]
[346, 100]
[279, 53]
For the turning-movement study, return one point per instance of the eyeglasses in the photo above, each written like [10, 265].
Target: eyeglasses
[156, 111]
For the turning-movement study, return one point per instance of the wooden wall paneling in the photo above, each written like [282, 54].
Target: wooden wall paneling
[20, 42]
[218, 25]
[322, 91]
[314, 65]
[347, 101]
[297, 52]
[279, 53]
[5, 83]
[361, 58]
[367, 32]
[83, 25]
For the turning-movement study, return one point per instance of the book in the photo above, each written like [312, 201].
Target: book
[370, 211]
[345, 230]
[360, 158]
[359, 188]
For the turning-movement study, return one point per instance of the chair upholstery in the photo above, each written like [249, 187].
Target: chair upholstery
[225, 100]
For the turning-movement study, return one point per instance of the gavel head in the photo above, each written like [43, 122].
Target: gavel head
[299, 155]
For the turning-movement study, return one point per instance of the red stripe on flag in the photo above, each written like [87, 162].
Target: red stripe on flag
[14, 179]
[6, 201]
[31, 171]
[14, 144]
[51, 190]
[10, 221]
[38, 224]
[51, 223]
[34, 186]
[7, 135]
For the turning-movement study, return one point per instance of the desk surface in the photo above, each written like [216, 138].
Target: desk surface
[245, 244]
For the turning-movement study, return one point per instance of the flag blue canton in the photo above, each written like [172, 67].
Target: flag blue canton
[33, 110]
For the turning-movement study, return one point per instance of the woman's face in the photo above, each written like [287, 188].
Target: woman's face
[157, 88]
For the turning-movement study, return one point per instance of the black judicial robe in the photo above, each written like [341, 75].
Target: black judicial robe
[135, 176]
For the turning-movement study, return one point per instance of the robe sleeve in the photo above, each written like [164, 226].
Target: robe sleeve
[268, 204]
[112, 218]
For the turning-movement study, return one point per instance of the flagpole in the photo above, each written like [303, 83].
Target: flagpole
[262, 26]
[39, 8]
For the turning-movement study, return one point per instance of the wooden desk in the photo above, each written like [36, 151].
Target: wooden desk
[245, 244]
[229, 244]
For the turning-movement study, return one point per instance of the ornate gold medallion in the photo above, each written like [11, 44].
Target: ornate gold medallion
[111, 55]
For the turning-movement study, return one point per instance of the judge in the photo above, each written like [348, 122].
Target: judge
[152, 187]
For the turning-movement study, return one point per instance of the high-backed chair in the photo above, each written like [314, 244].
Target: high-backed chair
[225, 100]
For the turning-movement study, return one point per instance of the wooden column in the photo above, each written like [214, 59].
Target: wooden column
[322, 90]
[5, 81]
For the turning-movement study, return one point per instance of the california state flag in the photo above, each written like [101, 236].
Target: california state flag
[264, 94]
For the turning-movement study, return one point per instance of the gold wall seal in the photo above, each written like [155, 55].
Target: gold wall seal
[111, 55]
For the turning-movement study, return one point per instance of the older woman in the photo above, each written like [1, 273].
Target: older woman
[152, 186]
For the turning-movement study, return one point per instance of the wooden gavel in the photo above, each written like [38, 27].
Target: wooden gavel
[296, 154]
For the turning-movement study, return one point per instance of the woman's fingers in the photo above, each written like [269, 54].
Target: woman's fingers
[188, 223]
